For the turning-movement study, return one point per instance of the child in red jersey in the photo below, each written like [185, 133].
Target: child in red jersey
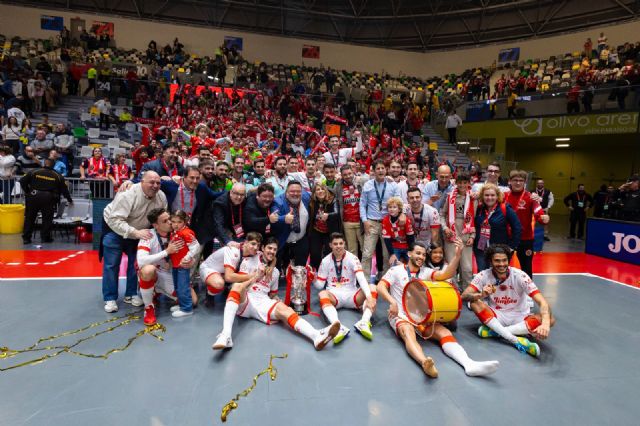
[181, 276]
[397, 231]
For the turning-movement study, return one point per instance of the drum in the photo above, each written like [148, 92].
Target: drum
[427, 302]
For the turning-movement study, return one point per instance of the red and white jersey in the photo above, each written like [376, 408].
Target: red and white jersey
[511, 294]
[152, 252]
[350, 266]
[265, 287]
[397, 279]
[229, 257]
[423, 222]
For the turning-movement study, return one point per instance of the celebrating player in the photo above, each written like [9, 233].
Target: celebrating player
[338, 276]
[506, 313]
[257, 298]
[391, 288]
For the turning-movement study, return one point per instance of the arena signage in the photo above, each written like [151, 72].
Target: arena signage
[120, 69]
[614, 240]
[592, 124]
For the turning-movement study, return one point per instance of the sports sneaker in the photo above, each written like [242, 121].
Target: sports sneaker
[485, 332]
[429, 367]
[325, 335]
[149, 315]
[174, 308]
[342, 334]
[364, 328]
[134, 300]
[222, 342]
[525, 346]
[180, 314]
[110, 306]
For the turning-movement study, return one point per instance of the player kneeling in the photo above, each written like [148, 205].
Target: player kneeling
[392, 287]
[498, 297]
[338, 275]
[258, 298]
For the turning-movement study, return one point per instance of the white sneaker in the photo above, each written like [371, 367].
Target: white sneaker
[325, 335]
[110, 306]
[174, 308]
[179, 314]
[364, 328]
[342, 334]
[134, 300]
[222, 342]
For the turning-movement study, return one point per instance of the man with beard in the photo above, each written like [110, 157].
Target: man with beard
[167, 165]
[280, 179]
[257, 297]
[293, 217]
[412, 181]
[545, 197]
[220, 180]
[578, 203]
[435, 192]
[339, 156]
[391, 289]
[255, 177]
[257, 215]
[395, 171]
[307, 178]
[348, 195]
[426, 219]
[506, 313]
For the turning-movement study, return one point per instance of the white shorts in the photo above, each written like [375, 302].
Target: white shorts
[394, 322]
[507, 318]
[206, 272]
[164, 284]
[346, 297]
[259, 307]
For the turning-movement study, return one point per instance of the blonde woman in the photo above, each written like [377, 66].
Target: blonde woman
[324, 219]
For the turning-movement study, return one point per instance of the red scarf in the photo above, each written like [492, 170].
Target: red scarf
[469, 213]
[96, 167]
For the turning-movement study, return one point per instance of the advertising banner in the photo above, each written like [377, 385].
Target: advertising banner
[310, 51]
[231, 41]
[52, 23]
[100, 27]
[509, 55]
[614, 239]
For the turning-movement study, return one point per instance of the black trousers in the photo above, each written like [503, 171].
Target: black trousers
[577, 218]
[452, 135]
[92, 86]
[318, 247]
[104, 119]
[297, 252]
[525, 256]
[35, 202]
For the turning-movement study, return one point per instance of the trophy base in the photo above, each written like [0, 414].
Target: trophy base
[299, 308]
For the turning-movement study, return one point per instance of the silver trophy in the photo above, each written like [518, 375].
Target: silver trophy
[299, 276]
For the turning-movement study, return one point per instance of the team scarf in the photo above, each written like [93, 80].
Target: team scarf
[468, 213]
[97, 167]
[335, 118]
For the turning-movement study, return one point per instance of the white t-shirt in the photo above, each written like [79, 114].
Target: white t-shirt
[424, 222]
[265, 287]
[342, 156]
[6, 166]
[350, 266]
[304, 220]
[511, 294]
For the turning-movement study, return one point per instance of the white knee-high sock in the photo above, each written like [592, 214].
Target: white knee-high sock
[519, 329]
[303, 327]
[495, 325]
[472, 368]
[330, 312]
[230, 309]
[366, 315]
[146, 291]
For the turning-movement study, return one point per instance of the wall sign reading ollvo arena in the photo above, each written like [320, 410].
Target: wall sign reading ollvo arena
[591, 124]
[552, 126]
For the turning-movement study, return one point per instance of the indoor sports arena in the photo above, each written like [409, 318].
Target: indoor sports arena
[356, 212]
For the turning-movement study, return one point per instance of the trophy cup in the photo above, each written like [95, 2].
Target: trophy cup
[298, 281]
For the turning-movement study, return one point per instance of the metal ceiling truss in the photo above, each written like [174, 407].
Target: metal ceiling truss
[398, 24]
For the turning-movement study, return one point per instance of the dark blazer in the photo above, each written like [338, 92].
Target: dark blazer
[254, 217]
[203, 193]
[223, 220]
[281, 205]
[156, 166]
[498, 223]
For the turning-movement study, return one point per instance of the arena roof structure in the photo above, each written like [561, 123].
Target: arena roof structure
[396, 24]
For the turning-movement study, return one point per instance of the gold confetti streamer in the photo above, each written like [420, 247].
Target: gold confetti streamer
[6, 353]
[233, 404]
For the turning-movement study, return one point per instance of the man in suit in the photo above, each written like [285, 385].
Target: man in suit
[291, 228]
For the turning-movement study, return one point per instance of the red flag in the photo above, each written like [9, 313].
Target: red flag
[146, 136]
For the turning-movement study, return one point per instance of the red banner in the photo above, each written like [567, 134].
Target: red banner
[151, 121]
[227, 90]
[336, 118]
[307, 129]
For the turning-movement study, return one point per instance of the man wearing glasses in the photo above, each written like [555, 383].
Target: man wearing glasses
[493, 176]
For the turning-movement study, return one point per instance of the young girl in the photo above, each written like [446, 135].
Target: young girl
[181, 276]
[397, 231]
[436, 261]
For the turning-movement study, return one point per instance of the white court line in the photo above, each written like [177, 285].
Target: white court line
[13, 263]
[32, 263]
[610, 280]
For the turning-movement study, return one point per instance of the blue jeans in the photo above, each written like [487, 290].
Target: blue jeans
[182, 281]
[7, 188]
[401, 254]
[479, 254]
[113, 247]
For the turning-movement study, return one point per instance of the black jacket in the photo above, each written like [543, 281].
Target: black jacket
[224, 217]
[254, 217]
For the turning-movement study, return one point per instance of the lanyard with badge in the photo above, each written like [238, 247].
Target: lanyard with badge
[337, 264]
[581, 201]
[380, 197]
[411, 277]
[237, 227]
[485, 229]
[418, 223]
[172, 172]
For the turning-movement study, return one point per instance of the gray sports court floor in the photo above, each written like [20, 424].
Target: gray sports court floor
[588, 373]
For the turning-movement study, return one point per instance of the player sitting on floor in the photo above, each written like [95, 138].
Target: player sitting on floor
[338, 276]
[223, 265]
[391, 288]
[257, 298]
[506, 313]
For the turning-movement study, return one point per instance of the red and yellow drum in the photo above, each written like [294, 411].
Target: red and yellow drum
[427, 302]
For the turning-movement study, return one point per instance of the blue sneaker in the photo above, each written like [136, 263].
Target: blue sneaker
[485, 332]
[525, 346]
